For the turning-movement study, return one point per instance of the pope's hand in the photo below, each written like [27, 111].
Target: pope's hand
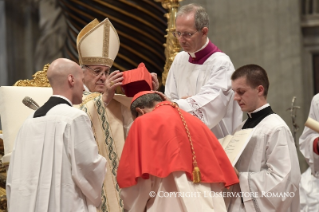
[155, 81]
[112, 81]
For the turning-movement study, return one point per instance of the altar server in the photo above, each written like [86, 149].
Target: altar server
[55, 165]
[269, 172]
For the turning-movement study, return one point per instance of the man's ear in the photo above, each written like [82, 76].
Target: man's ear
[260, 90]
[71, 80]
[139, 111]
[205, 31]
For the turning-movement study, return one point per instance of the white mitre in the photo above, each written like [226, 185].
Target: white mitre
[98, 43]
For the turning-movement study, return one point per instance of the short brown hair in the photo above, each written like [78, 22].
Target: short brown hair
[255, 76]
[201, 17]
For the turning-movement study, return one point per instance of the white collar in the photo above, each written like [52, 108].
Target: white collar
[192, 54]
[63, 97]
[86, 88]
[259, 109]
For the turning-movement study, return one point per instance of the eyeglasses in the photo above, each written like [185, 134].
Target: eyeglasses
[184, 34]
[96, 71]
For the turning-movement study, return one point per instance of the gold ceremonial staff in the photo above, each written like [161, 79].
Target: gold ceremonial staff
[172, 46]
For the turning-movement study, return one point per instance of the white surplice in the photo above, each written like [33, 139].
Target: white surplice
[55, 165]
[209, 86]
[307, 138]
[269, 166]
[309, 192]
[174, 193]
[309, 185]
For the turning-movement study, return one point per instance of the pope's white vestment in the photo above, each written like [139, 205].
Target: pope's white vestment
[309, 186]
[55, 165]
[208, 88]
[269, 172]
[110, 125]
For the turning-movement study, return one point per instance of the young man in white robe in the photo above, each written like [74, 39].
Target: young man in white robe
[199, 78]
[98, 44]
[309, 147]
[269, 172]
[55, 165]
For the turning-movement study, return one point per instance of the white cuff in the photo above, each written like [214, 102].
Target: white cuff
[184, 105]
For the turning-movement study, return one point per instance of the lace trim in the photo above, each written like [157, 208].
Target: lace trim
[197, 111]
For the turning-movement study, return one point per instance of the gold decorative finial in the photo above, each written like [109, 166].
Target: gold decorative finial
[172, 46]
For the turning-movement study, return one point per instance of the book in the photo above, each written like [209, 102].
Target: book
[234, 145]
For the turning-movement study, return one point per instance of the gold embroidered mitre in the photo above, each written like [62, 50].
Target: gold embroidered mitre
[98, 43]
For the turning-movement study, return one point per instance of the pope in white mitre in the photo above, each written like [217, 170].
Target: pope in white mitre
[98, 44]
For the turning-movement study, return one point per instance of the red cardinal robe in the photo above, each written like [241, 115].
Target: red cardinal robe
[157, 144]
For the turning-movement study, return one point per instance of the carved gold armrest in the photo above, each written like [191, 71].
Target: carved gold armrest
[39, 79]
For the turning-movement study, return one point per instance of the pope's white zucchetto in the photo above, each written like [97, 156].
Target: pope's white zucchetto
[98, 43]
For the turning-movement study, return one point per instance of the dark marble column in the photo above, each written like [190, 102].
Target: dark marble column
[3, 51]
[53, 30]
[22, 33]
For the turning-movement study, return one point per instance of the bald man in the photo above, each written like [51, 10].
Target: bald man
[55, 165]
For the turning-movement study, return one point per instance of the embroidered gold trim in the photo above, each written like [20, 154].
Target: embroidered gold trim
[106, 39]
[89, 98]
[97, 61]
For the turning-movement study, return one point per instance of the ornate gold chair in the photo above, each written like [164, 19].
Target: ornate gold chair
[13, 113]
